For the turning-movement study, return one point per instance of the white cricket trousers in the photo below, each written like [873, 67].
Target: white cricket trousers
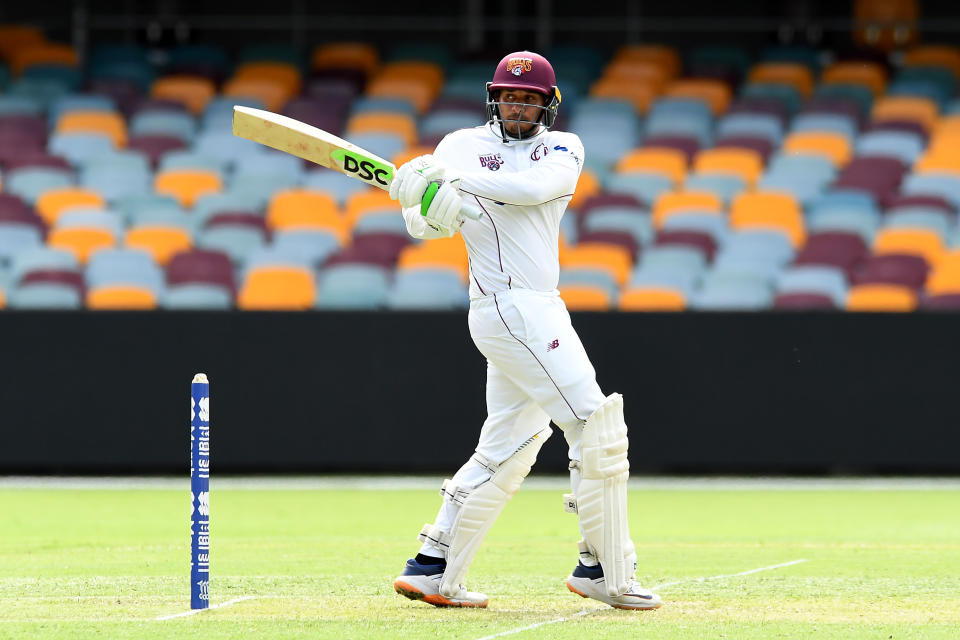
[537, 371]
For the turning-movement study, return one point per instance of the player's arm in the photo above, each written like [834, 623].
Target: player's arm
[555, 176]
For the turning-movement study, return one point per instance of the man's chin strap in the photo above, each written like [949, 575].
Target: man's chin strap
[478, 508]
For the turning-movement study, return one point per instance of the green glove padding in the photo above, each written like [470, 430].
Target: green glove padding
[428, 196]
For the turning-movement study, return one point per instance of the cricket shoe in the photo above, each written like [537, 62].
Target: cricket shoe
[589, 582]
[422, 582]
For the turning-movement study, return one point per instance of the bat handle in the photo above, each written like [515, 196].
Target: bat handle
[470, 211]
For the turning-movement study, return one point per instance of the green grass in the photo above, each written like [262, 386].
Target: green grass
[92, 563]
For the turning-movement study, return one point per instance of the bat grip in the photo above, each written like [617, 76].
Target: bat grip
[470, 211]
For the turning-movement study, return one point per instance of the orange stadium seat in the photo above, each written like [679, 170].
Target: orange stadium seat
[120, 297]
[921, 242]
[277, 288]
[669, 162]
[409, 154]
[108, 123]
[282, 72]
[161, 242]
[640, 94]
[638, 71]
[43, 53]
[379, 122]
[585, 298]
[274, 94]
[3, 300]
[448, 253]
[364, 202]
[715, 93]
[346, 55]
[745, 163]
[652, 299]
[673, 202]
[881, 297]
[305, 209]
[418, 71]
[194, 92]
[186, 185]
[418, 93]
[867, 74]
[944, 277]
[933, 55]
[81, 241]
[614, 259]
[15, 37]
[789, 73]
[834, 146]
[53, 202]
[666, 57]
[944, 158]
[920, 110]
[588, 185]
[769, 210]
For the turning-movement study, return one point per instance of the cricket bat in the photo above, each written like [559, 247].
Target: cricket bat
[318, 146]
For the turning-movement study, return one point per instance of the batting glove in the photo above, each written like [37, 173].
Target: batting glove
[411, 180]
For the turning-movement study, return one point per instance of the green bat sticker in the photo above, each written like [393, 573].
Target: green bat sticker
[363, 168]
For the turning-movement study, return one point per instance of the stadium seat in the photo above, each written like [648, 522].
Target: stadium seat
[639, 298]
[120, 297]
[584, 297]
[881, 297]
[277, 288]
[669, 163]
[742, 163]
[678, 202]
[353, 286]
[769, 210]
[187, 185]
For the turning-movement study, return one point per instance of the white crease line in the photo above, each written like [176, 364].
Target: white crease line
[729, 575]
[213, 606]
[587, 612]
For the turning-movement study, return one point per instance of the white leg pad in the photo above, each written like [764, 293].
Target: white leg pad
[601, 496]
[480, 508]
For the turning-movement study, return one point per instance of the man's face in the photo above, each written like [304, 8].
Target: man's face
[512, 108]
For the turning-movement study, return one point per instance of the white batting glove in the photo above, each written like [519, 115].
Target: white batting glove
[411, 180]
[441, 208]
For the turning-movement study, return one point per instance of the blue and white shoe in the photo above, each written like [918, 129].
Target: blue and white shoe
[589, 582]
[422, 582]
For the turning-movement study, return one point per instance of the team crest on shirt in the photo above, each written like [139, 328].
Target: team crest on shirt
[491, 161]
[540, 152]
[519, 66]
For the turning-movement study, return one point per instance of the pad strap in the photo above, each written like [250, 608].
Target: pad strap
[432, 535]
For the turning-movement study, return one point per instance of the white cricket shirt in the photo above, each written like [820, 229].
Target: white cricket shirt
[523, 187]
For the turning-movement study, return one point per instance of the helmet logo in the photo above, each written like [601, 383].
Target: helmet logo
[518, 66]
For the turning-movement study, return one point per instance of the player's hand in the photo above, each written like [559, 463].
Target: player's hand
[411, 180]
[441, 207]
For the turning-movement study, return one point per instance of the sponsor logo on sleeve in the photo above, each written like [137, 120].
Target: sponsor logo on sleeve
[565, 150]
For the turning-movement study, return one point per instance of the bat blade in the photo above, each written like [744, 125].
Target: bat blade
[313, 144]
[318, 146]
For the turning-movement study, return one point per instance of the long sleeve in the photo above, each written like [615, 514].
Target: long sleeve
[555, 176]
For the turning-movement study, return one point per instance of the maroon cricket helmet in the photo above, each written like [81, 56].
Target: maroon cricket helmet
[528, 71]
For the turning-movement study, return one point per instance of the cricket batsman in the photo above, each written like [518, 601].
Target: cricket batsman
[522, 175]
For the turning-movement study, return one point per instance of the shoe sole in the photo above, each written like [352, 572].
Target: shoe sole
[615, 606]
[436, 600]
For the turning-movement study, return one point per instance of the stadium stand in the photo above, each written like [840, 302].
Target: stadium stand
[715, 178]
